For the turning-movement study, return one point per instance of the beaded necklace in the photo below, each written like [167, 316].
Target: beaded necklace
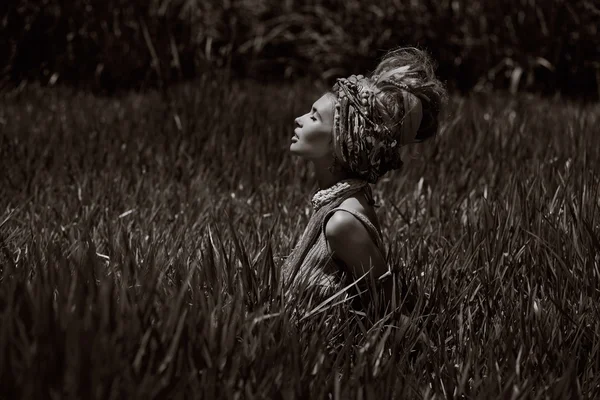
[325, 196]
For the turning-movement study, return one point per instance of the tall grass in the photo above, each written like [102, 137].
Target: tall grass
[141, 242]
[542, 46]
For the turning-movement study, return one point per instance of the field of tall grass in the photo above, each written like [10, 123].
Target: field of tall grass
[141, 240]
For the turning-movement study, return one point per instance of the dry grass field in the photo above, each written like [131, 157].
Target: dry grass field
[141, 238]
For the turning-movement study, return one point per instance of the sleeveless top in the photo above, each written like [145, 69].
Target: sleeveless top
[324, 276]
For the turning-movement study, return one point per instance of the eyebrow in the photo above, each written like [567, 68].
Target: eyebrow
[317, 112]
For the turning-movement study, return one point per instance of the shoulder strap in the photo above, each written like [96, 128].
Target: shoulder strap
[362, 218]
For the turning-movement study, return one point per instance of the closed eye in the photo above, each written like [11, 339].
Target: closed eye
[314, 109]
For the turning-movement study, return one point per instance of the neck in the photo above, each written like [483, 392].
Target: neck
[326, 178]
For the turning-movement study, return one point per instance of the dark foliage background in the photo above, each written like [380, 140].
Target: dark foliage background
[543, 46]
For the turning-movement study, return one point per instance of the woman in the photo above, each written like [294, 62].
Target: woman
[352, 136]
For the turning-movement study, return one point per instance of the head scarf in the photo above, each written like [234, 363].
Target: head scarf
[365, 147]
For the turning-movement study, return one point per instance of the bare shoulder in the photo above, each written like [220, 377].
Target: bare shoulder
[360, 204]
[341, 225]
[349, 240]
[346, 226]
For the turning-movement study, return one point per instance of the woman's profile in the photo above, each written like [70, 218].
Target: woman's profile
[352, 135]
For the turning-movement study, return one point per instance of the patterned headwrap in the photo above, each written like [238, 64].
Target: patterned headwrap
[367, 148]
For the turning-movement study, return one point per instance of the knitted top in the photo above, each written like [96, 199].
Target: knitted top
[320, 275]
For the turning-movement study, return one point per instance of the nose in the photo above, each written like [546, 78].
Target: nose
[297, 123]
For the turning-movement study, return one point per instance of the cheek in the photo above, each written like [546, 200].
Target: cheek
[316, 137]
[314, 144]
[319, 143]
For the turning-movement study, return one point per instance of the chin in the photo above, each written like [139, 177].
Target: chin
[294, 149]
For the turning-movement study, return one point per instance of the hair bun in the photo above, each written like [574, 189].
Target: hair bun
[407, 92]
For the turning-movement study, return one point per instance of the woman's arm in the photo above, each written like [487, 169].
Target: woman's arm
[351, 243]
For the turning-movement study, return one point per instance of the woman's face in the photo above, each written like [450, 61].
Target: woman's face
[313, 134]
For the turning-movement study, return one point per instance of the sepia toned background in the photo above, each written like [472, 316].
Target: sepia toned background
[148, 200]
[544, 46]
